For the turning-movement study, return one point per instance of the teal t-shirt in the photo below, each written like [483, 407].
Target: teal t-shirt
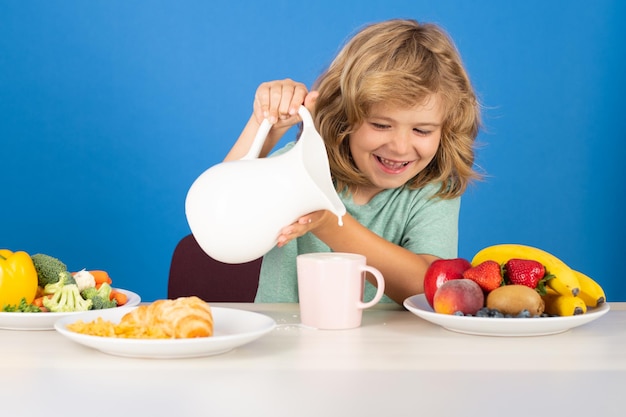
[408, 218]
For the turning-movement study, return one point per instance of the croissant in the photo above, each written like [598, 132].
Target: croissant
[184, 317]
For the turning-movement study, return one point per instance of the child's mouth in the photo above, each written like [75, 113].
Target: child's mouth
[391, 165]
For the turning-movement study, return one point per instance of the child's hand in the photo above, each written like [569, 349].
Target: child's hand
[305, 224]
[279, 101]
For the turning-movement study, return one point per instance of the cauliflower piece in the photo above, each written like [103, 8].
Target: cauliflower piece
[84, 279]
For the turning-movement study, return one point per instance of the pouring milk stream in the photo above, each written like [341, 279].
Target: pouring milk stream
[236, 209]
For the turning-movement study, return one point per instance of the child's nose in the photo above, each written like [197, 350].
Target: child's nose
[401, 142]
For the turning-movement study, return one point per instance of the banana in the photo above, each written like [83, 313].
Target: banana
[565, 281]
[563, 305]
[590, 291]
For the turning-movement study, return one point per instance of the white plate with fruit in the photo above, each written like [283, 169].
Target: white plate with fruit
[508, 290]
[492, 326]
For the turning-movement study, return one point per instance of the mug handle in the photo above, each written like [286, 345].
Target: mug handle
[381, 287]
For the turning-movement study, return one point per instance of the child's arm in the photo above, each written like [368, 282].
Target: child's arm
[403, 270]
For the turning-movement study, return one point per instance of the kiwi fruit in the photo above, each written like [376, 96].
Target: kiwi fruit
[512, 299]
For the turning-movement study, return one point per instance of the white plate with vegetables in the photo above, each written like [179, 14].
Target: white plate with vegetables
[232, 328]
[491, 326]
[46, 320]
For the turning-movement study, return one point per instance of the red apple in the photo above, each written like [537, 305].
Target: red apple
[440, 271]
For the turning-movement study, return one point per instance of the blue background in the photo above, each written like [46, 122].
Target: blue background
[110, 109]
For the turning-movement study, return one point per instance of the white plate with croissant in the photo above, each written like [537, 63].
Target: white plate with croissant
[166, 329]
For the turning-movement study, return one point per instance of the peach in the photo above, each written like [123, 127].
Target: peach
[462, 295]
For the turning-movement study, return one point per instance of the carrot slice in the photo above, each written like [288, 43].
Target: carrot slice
[101, 277]
[39, 300]
[120, 297]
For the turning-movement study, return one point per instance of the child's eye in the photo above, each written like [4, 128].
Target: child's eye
[422, 132]
[379, 126]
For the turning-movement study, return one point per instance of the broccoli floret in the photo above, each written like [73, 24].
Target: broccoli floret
[89, 293]
[100, 303]
[105, 290]
[67, 299]
[101, 297]
[65, 278]
[48, 268]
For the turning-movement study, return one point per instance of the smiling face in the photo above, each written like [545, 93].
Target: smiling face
[393, 144]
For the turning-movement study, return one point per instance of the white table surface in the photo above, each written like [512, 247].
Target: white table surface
[394, 363]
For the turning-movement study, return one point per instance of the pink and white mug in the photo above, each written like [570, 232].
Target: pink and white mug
[330, 289]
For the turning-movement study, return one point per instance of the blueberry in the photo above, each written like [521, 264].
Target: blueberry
[482, 313]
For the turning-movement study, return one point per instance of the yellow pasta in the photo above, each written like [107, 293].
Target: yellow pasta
[185, 317]
[104, 328]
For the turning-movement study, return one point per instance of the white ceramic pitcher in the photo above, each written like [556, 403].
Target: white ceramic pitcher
[236, 209]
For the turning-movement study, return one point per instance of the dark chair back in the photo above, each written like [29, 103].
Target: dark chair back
[193, 272]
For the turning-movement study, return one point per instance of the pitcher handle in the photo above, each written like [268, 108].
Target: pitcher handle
[307, 120]
[264, 129]
[259, 140]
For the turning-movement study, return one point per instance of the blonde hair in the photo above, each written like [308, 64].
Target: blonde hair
[399, 62]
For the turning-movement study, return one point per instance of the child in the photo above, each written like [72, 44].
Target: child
[399, 118]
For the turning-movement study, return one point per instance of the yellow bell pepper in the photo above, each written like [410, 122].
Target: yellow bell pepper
[18, 278]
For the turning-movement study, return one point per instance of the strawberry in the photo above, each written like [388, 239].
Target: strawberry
[525, 272]
[487, 275]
